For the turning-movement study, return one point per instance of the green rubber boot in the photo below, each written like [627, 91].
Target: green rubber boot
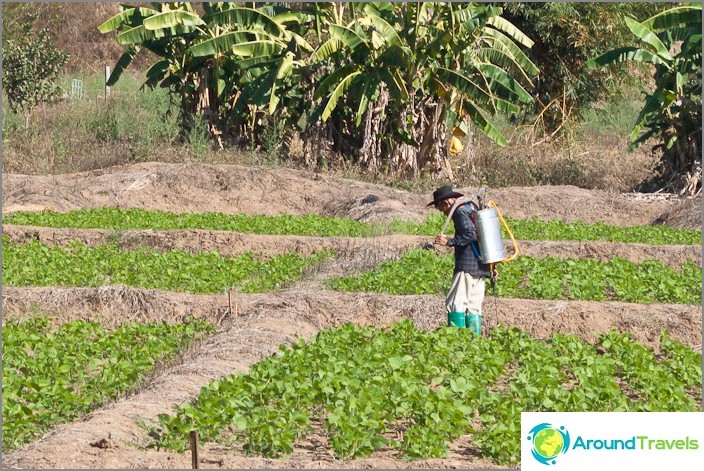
[474, 322]
[456, 319]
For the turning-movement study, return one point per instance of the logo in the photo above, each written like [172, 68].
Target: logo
[548, 442]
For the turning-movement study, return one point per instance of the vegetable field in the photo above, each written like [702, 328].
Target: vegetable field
[309, 331]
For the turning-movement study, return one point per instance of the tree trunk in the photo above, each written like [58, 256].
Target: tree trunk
[435, 145]
[372, 135]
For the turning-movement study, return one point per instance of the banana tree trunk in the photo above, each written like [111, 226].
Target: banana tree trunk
[433, 151]
[371, 152]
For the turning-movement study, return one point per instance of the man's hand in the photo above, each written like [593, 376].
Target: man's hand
[495, 274]
[441, 240]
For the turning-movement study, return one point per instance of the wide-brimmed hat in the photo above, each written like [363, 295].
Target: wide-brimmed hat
[443, 193]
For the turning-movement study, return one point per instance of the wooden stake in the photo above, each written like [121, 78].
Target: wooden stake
[194, 449]
[229, 303]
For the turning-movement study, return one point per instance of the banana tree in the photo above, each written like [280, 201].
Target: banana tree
[224, 67]
[403, 74]
[672, 42]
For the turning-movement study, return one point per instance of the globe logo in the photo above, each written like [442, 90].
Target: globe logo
[548, 442]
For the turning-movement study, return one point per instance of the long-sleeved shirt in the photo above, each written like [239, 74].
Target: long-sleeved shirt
[466, 237]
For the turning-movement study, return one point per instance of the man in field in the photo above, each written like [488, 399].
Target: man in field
[464, 302]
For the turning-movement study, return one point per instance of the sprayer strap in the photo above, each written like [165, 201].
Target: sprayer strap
[457, 204]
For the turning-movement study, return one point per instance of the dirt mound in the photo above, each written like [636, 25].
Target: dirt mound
[233, 189]
[686, 215]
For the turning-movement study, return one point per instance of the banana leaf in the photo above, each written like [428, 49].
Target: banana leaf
[247, 17]
[170, 19]
[624, 54]
[130, 17]
[122, 63]
[649, 37]
[337, 93]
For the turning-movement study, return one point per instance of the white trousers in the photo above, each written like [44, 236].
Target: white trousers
[466, 294]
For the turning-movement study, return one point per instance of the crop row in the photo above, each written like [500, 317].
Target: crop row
[425, 272]
[54, 375]
[417, 272]
[36, 264]
[414, 392]
[313, 225]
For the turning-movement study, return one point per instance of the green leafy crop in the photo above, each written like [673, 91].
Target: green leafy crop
[36, 264]
[313, 225]
[123, 219]
[415, 392]
[55, 375]
[536, 229]
[424, 272]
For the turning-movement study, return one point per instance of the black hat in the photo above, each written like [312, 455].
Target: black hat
[443, 193]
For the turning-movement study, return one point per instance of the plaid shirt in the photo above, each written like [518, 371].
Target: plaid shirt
[464, 241]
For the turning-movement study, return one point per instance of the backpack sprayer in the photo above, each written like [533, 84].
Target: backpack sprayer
[491, 243]
[486, 223]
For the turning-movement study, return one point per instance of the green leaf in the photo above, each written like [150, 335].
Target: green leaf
[332, 80]
[235, 42]
[170, 19]
[325, 50]
[478, 118]
[675, 17]
[624, 54]
[507, 27]
[126, 18]
[500, 41]
[395, 84]
[158, 70]
[503, 79]
[337, 93]
[123, 62]
[464, 85]
[649, 37]
[244, 18]
[347, 37]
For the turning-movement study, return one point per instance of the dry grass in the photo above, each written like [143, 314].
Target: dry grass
[592, 162]
[72, 136]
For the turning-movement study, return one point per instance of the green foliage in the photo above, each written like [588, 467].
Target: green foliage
[672, 43]
[35, 264]
[122, 219]
[30, 70]
[313, 225]
[242, 68]
[53, 375]
[416, 391]
[424, 272]
[229, 66]
[566, 34]
[463, 58]
[536, 229]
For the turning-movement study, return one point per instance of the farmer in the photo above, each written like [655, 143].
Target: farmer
[464, 301]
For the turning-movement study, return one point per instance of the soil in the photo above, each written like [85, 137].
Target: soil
[251, 327]
[232, 189]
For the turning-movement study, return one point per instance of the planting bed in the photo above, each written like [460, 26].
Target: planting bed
[250, 327]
